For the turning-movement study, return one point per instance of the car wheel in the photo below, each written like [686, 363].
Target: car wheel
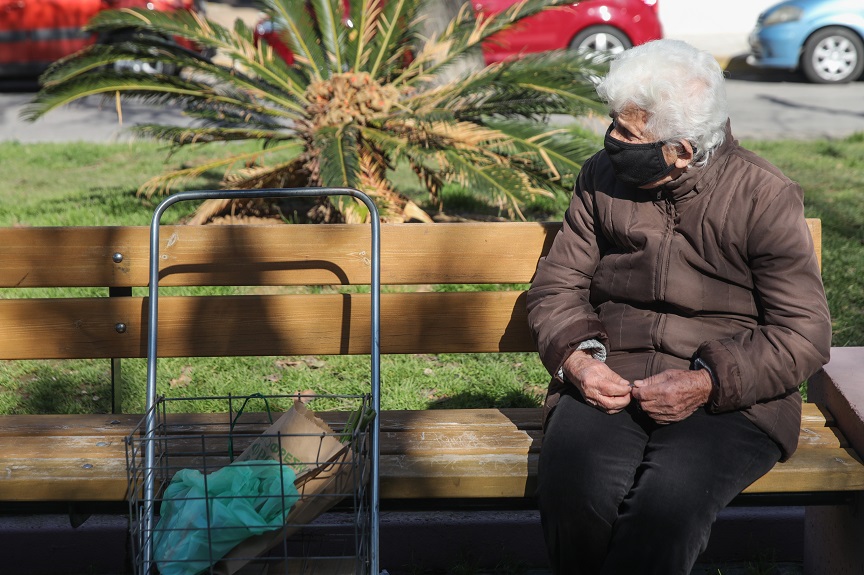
[601, 39]
[138, 67]
[833, 56]
[141, 67]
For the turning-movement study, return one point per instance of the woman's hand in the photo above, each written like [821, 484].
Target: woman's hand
[600, 386]
[673, 395]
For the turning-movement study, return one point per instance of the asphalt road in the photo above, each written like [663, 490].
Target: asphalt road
[781, 105]
[762, 105]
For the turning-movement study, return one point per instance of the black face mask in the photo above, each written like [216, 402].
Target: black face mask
[636, 164]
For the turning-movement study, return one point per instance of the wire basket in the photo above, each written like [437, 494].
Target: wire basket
[298, 516]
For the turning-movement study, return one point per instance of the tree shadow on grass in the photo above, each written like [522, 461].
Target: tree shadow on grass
[54, 387]
[480, 400]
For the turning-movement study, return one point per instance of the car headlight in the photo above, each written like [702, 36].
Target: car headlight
[783, 14]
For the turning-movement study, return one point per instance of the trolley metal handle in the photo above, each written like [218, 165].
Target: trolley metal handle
[153, 315]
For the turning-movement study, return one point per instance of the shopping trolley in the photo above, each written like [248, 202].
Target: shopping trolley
[158, 453]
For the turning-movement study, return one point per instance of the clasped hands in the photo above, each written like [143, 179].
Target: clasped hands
[666, 397]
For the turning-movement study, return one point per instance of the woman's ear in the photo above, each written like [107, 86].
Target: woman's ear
[684, 154]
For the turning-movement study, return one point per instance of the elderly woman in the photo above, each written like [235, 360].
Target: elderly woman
[678, 310]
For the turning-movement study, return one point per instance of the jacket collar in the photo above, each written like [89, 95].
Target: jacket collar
[699, 178]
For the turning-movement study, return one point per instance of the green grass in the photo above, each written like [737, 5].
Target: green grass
[832, 175]
[95, 184]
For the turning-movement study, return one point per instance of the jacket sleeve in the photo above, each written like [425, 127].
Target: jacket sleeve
[560, 314]
[793, 338]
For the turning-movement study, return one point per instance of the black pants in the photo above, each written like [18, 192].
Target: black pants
[619, 494]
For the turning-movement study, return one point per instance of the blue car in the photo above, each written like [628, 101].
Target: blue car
[824, 39]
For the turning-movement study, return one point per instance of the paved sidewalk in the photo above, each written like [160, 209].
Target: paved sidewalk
[226, 13]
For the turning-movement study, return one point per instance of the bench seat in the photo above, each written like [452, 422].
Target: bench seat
[434, 454]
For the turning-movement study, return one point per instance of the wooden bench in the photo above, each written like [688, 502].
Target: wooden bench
[472, 454]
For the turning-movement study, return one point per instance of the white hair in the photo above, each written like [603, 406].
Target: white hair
[681, 88]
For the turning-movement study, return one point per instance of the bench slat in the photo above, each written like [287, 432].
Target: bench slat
[274, 255]
[813, 417]
[63, 479]
[431, 440]
[281, 255]
[327, 324]
[817, 470]
[472, 476]
[413, 476]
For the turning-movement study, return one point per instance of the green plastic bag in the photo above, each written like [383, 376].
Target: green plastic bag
[198, 525]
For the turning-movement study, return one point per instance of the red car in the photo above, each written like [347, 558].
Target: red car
[35, 33]
[597, 25]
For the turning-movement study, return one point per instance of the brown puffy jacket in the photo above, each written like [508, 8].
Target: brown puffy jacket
[717, 265]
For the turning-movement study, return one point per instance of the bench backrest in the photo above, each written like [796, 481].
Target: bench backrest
[275, 318]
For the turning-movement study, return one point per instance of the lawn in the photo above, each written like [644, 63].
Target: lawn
[95, 184]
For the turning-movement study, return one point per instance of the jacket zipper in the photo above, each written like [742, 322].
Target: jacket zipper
[666, 249]
[663, 266]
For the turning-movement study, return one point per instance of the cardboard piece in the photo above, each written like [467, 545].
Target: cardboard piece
[326, 474]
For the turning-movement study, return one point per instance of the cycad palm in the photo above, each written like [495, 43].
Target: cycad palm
[360, 99]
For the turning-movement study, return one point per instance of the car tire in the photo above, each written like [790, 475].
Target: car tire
[138, 67]
[833, 55]
[601, 39]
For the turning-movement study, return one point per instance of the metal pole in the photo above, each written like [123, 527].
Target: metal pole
[374, 560]
[152, 339]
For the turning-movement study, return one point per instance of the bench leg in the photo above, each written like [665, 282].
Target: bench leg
[834, 534]
[833, 537]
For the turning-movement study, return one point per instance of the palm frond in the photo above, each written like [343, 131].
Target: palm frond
[338, 159]
[469, 155]
[155, 28]
[237, 118]
[465, 33]
[364, 16]
[438, 52]
[181, 136]
[554, 154]
[117, 24]
[373, 181]
[201, 74]
[548, 83]
[491, 24]
[258, 60]
[203, 83]
[273, 176]
[301, 33]
[388, 44]
[469, 136]
[508, 185]
[422, 155]
[561, 74]
[163, 183]
[282, 175]
[328, 13]
[94, 59]
[152, 89]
